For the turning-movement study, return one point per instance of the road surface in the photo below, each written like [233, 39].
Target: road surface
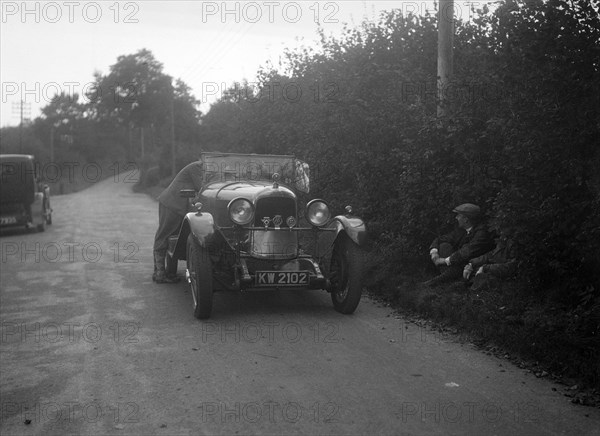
[90, 345]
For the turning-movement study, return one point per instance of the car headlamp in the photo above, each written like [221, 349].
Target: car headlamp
[241, 211]
[317, 213]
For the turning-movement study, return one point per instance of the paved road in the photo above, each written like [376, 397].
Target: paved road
[90, 345]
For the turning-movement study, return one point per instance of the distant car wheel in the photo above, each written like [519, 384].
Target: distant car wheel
[41, 227]
[48, 211]
[346, 275]
[201, 282]
[171, 266]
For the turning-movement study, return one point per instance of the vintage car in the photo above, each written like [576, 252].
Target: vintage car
[247, 232]
[24, 200]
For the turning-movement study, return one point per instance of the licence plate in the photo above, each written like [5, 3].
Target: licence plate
[8, 220]
[281, 278]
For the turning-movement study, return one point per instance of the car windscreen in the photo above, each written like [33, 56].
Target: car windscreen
[222, 167]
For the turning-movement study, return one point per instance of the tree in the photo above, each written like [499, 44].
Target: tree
[136, 94]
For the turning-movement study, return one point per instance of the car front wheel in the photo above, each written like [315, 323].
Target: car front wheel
[48, 211]
[199, 269]
[347, 270]
[41, 227]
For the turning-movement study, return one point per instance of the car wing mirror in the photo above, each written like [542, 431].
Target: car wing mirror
[187, 193]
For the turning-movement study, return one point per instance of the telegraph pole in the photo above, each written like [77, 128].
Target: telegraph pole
[52, 144]
[18, 109]
[445, 45]
[142, 142]
[173, 148]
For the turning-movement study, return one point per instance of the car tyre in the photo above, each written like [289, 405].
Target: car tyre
[346, 275]
[47, 210]
[41, 227]
[199, 268]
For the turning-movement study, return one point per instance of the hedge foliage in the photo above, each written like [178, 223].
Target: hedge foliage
[521, 139]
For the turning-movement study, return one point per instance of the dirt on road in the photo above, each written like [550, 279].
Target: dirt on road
[90, 345]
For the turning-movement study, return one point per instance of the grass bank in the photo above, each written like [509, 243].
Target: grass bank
[548, 339]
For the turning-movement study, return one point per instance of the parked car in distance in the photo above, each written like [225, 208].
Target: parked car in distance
[244, 233]
[24, 200]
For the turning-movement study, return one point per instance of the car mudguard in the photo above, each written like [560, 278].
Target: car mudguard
[354, 227]
[202, 226]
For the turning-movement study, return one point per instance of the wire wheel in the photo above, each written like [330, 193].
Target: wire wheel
[199, 269]
[346, 275]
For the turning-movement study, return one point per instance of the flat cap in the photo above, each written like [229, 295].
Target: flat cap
[468, 209]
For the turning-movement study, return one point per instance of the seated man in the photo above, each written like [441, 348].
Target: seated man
[171, 211]
[470, 239]
[500, 263]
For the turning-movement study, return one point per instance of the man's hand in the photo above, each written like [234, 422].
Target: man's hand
[440, 261]
[467, 271]
[479, 271]
[434, 255]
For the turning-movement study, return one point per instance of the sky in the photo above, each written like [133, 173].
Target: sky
[49, 47]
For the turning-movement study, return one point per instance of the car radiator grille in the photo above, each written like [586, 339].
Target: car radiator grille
[271, 206]
[274, 244]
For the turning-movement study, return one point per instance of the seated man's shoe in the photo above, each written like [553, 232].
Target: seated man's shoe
[437, 280]
[458, 287]
[448, 274]
[483, 282]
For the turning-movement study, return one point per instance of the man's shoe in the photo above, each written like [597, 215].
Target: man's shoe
[482, 282]
[458, 287]
[432, 282]
[162, 277]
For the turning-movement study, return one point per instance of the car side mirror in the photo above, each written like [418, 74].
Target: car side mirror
[187, 193]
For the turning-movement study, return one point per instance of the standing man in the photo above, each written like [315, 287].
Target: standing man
[451, 252]
[171, 211]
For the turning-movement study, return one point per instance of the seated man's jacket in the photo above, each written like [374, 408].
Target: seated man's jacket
[466, 246]
[190, 177]
[500, 262]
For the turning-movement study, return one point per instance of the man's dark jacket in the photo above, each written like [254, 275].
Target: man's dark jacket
[466, 246]
[190, 177]
[499, 262]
